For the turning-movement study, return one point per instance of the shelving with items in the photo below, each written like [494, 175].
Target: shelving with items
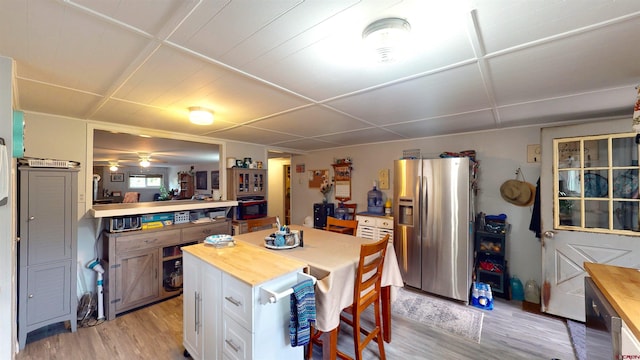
[490, 247]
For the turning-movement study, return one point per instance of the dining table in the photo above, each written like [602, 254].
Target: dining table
[332, 258]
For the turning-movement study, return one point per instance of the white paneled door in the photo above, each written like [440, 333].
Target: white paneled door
[589, 208]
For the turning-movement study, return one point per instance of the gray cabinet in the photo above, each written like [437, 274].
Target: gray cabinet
[47, 251]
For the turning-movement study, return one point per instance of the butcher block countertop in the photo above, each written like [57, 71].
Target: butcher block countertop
[248, 263]
[621, 286]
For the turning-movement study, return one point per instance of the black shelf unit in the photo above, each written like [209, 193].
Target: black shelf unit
[320, 213]
[491, 262]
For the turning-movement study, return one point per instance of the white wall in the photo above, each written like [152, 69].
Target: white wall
[500, 153]
[7, 220]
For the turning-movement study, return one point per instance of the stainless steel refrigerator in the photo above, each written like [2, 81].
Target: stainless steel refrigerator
[433, 225]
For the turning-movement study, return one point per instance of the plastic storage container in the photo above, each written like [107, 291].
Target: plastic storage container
[517, 292]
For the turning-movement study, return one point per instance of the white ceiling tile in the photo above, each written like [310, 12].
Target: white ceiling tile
[462, 123]
[310, 121]
[456, 90]
[574, 65]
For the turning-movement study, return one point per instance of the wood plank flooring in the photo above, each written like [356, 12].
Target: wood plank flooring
[155, 332]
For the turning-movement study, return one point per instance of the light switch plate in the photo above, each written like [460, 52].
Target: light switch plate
[383, 179]
[534, 154]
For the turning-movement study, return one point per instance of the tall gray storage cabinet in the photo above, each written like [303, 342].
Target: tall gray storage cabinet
[47, 250]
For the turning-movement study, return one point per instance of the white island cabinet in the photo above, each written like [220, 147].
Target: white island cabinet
[226, 310]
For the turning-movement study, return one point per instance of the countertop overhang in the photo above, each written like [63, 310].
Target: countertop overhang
[124, 209]
[621, 287]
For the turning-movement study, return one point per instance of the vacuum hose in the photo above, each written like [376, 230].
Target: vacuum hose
[95, 266]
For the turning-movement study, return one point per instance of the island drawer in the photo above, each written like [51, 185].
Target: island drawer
[237, 300]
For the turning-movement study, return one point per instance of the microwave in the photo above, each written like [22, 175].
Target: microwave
[251, 209]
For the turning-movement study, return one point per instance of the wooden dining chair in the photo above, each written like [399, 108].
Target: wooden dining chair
[351, 210]
[366, 292]
[348, 227]
[261, 224]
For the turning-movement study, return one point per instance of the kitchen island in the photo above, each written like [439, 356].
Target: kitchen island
[621, 288]
[228, 311]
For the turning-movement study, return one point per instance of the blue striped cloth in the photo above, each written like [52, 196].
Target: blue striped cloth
[303, 313]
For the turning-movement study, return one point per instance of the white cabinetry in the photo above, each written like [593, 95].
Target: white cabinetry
[630, 344]
[225, 319]
[375, 227]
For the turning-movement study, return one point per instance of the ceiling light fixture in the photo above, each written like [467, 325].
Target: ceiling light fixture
[387, 38]
[113, 166]
[200, 115]
[144, 163]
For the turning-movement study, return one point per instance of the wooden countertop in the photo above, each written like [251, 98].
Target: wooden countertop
[123, 209]
[250, 264]
[621, 287]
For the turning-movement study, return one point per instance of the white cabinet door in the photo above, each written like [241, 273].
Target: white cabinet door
[191, 303]
[630, 344]
[201, 308]
[211, 311]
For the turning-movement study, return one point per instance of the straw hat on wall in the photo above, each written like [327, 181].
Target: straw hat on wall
[519, 193]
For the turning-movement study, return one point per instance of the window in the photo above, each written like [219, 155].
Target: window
[148, 181]
[596, 184]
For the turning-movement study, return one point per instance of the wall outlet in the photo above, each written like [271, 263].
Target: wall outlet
[383, 179]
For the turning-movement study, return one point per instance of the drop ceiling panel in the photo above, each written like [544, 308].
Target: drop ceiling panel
[311, 121]
[38, 97]
[569, 108]
[456, 90]
[255, 136]
[567, 67]
[363, 136]
[481, 120]
[196, 82]
[71, 49]
[148, 16]
[230, 25]
[299, 27]
[307, 144]
[533, 20]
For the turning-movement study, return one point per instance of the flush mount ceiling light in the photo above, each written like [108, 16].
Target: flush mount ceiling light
[387, 38]
[200, 115]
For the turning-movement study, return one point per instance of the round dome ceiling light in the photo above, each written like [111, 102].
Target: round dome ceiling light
[200, 115]
[387, 38]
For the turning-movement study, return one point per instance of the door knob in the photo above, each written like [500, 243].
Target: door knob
[549, 234]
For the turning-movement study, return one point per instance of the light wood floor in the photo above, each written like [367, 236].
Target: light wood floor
[155, 332]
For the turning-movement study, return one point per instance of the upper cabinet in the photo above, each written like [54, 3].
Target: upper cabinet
[244, 183]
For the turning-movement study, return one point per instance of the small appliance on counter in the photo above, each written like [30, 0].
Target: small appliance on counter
[124, 223]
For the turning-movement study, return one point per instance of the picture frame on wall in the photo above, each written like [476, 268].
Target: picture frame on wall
[201, 180]
[117, 177]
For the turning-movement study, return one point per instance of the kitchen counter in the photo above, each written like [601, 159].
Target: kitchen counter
[248, 263]
[621, 287]
[124, 209]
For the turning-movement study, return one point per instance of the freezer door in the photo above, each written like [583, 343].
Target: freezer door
[406, 234]
[446, 246]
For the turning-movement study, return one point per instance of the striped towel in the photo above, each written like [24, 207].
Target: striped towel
[303, 313]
